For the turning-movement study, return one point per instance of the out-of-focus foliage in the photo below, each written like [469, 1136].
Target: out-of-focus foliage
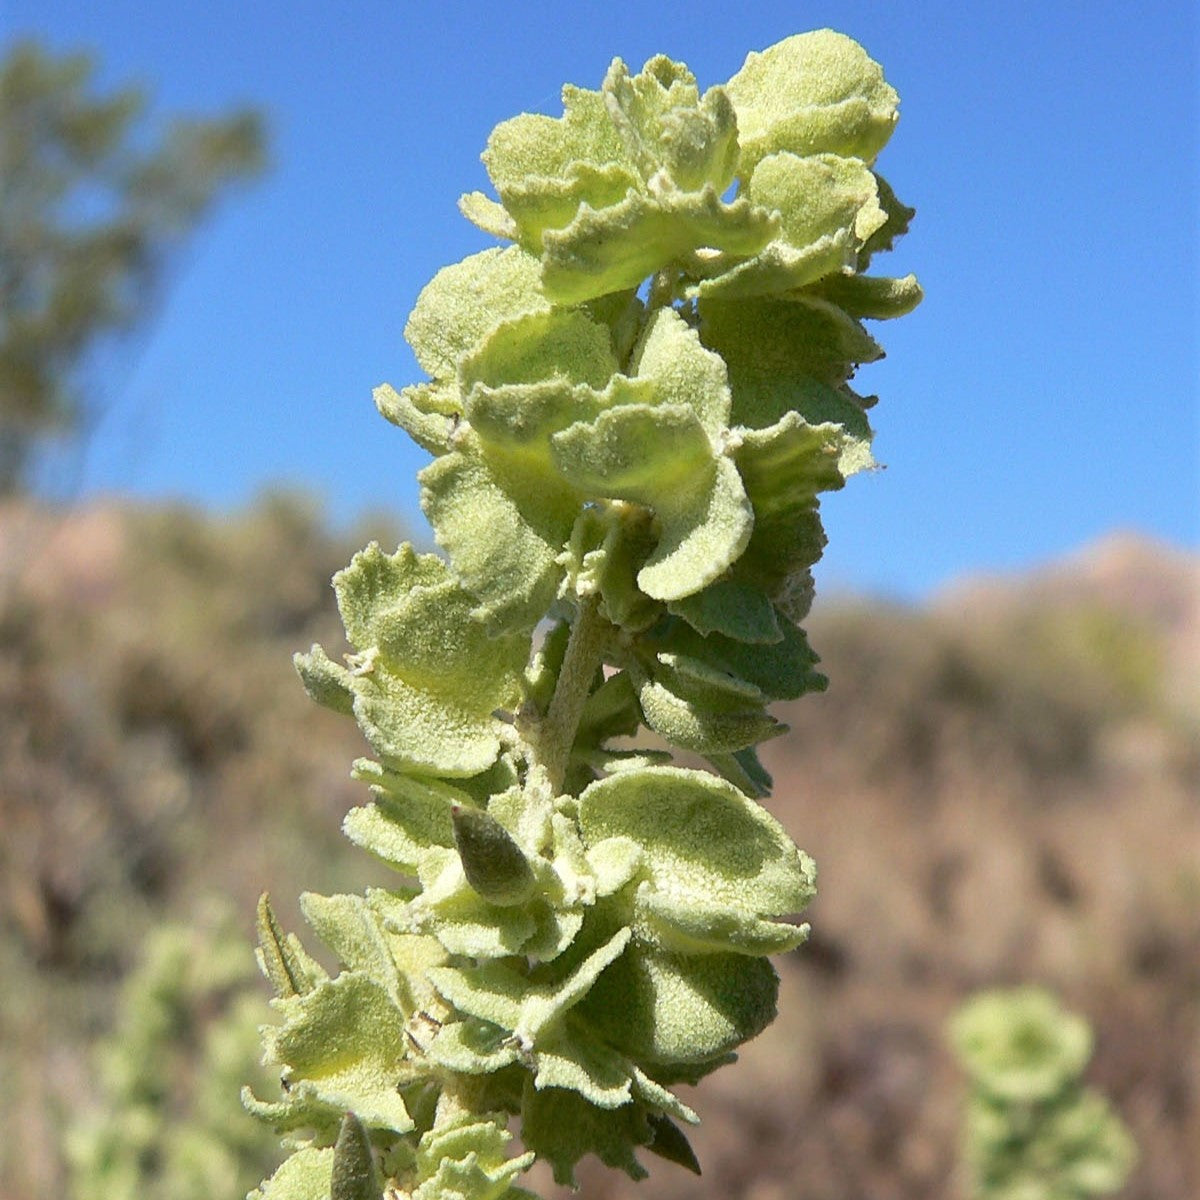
[164, 1126]
[92, 207]
[1033, 1131]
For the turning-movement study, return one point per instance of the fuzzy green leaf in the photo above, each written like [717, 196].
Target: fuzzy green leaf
[420, 411]
[784, 467]
[638, 452]
[694, 726]
[659, 1007]
[343, 1042]
[735, 609]
[705, 685]
[497, 993]
[561, 1127]
[329, 684]
[305, 1175]
[463, 303]
[572, 1058]
[486, 214]
[792, 356]
[876, 297]
[898, 217]
[702, 841]
[409, 816]
[701, 927]
[559, 344]
[544, 168]
[615, 861]
[503, 536]
[828, 208]
[660, 456]
[474, 1046]
[302, 1108]
[698, 541]
[809, 94]
[408, 607]
[787, 673]
[428, 676]
[465, 1156]
[683, 371]
[666, 126]
[610, 249]
[355, 934]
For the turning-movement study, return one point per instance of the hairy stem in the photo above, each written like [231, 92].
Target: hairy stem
[585, 653]
[662, 289]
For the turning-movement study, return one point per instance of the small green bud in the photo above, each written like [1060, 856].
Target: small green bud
[325, 682]
[493, 862]
[670, 1143]
[280, 956]
[355, 1173]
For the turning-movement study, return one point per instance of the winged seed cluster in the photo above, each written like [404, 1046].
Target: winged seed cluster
[631, 409]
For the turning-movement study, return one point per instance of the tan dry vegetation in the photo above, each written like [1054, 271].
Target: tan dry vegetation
[1003, 787]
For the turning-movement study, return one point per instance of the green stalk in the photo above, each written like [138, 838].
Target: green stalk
[554, 736]
[662, 289]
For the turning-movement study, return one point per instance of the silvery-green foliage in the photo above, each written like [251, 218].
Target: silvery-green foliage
[1033, 1131]
[632, 409]
[166, 1126]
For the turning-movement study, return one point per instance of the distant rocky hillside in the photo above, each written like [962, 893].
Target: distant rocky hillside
[1153, 586]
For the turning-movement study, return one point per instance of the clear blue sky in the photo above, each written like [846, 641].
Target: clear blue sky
[1045, 393]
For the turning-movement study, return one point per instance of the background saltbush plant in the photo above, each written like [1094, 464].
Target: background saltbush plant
[1032, 1130]
[163, 1128]
[632, 410]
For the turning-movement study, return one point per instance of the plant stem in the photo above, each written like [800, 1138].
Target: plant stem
[584, 654]
[662, 289]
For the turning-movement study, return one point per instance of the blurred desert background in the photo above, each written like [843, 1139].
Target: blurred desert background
[1001, 786]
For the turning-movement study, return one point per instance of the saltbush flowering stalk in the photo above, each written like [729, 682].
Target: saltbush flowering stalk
[1032, 1130]
[632, 409]
[186, 1027]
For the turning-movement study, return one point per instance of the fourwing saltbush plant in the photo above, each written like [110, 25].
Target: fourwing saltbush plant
[632, 409]
[1033, 1131]
[186, 1030]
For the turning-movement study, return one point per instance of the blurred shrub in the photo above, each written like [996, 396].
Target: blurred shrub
[166, 1124]
[1033, 1131]
[1026, 694]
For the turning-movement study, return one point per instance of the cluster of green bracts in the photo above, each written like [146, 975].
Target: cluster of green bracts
[1033, 1131]
[632, 410]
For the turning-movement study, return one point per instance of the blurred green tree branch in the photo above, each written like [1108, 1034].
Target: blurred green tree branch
[93, 206]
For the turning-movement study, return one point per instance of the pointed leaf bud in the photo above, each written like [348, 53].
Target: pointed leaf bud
[670, 1143]
[325, 682]
[282, 959]
[355, 1173]
[493, 862]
